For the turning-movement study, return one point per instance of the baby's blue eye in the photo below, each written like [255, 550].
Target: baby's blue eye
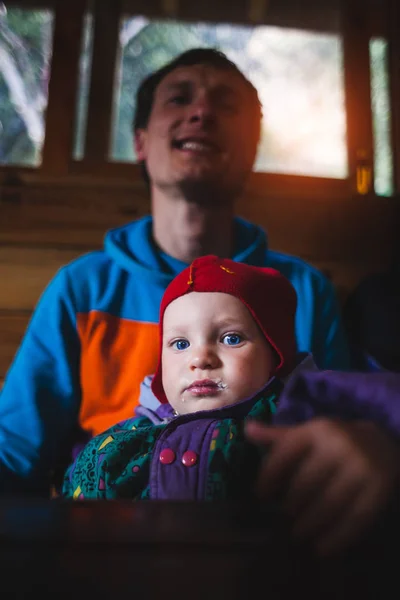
[232, 339]
[180, 344]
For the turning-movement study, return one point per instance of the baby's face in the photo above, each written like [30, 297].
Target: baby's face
[213, 352]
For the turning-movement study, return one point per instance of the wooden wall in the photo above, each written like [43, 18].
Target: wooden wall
[42, 227]
[45, 224]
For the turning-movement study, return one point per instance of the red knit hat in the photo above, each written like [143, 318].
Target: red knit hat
[268, 295]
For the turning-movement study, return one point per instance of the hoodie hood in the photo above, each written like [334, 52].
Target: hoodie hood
[133, 249]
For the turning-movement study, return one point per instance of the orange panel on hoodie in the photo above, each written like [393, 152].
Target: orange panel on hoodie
[116, 356]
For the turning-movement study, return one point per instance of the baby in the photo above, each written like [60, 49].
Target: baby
[225, 329]
[227, 346]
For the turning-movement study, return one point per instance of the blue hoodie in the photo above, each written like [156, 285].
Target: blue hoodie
[93, 338]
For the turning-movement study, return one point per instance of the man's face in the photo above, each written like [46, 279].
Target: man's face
[200, 130]
[213, 352]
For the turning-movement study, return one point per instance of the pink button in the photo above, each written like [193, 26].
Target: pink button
[189, 458]
[167, 456]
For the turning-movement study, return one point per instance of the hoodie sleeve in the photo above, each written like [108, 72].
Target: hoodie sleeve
[40, 399]
[329, 347]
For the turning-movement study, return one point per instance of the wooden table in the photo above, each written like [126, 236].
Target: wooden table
[161, 550]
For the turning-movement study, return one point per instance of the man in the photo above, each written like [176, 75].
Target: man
[94, 336]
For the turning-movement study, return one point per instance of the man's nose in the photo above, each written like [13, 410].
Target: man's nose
[201, 110]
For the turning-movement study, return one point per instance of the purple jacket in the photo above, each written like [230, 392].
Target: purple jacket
[349, 396]
[205, 456]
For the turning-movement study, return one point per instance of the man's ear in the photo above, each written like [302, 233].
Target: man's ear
[140, 138]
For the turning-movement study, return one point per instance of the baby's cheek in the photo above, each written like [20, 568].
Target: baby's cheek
[181, 403]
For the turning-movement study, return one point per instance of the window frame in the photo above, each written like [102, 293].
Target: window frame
[358, 23]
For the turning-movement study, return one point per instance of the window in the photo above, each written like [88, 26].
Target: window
[383, 155]
[83, 86]
[316, 120]
[25, 61]
[299, 76]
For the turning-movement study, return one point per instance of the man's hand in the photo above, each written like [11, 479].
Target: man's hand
[333, 478]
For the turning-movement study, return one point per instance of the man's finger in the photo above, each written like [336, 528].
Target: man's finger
[258, 433]
[287, 449]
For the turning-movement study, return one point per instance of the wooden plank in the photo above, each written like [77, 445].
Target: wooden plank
[60, 114]
[12, 328]
[66, 216]
[33, 4]
[313, 228]
[379, 17]
[357, 80]
[346, 230]
[107, 15]
[287, 13]
[26, 272]
[154, 9]
[217, 12]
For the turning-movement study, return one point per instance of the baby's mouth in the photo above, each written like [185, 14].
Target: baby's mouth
[206, 387]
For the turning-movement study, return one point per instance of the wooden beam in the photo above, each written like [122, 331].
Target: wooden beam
[27, 271]
[357, 77]
[33, 4]
[153, 9]
[217, 12]
[257, 11]
[60, 115]
[12, 329]
[328, 229]
[107, 14]
[74, 217]
[312, 14]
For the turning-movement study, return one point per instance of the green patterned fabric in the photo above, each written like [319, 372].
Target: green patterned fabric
[116, 464]
[230, 447]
